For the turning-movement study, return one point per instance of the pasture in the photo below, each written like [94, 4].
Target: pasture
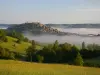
[11, 67]
[17, 47]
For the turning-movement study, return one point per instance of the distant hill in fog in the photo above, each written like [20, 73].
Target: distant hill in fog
[75, 25]
[62, 25]
[4, 26]
[34, 28]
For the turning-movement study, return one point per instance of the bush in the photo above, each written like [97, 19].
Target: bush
[5, 40]
[18, 41]
[26, 39]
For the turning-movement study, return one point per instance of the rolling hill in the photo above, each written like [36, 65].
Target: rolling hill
[34, 28]
[13, 46]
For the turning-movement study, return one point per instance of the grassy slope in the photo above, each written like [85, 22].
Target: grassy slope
[19, 47]
[10, 67]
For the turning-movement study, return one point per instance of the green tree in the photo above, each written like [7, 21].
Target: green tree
[66, 46]
[31, 51]
[7, 53]
[56, 45]
[26, 39]
[12, 56]
[40, 58]
[2, 52]
[3, 37]
[79, 60]
[49, 54]
[14, 33]
[33, 43]
[74, 48]
[83, 45]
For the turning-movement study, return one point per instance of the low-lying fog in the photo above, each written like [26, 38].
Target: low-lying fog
[70, 39]
[81, 30]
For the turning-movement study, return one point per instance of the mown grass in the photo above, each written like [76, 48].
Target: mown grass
[10, 67]
[18, 47]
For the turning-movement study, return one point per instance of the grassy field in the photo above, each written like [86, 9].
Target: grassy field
[10, 67]
[18, 47]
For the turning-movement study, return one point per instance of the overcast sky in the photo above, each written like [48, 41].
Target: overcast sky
[50, 11]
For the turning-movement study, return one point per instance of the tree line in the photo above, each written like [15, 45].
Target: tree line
[63, 53]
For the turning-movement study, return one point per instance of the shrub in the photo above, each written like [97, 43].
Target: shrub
[18, 41]
[26, 39]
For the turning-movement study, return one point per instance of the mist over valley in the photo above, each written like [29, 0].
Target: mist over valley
[73, 39]
[77, 36]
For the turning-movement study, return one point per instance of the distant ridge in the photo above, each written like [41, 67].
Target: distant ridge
[5, 24]
[63, 25]
[75, 25]
[35, 28]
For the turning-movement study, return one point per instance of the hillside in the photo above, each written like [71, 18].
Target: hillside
[35, 28]
[13, 46]
[10, 67]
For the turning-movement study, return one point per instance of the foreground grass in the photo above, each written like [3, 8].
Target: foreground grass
[10, 67]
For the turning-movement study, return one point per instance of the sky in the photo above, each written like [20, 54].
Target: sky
[50, 11]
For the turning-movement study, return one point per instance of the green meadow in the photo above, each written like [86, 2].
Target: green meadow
[13, 46]
[11, 67]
